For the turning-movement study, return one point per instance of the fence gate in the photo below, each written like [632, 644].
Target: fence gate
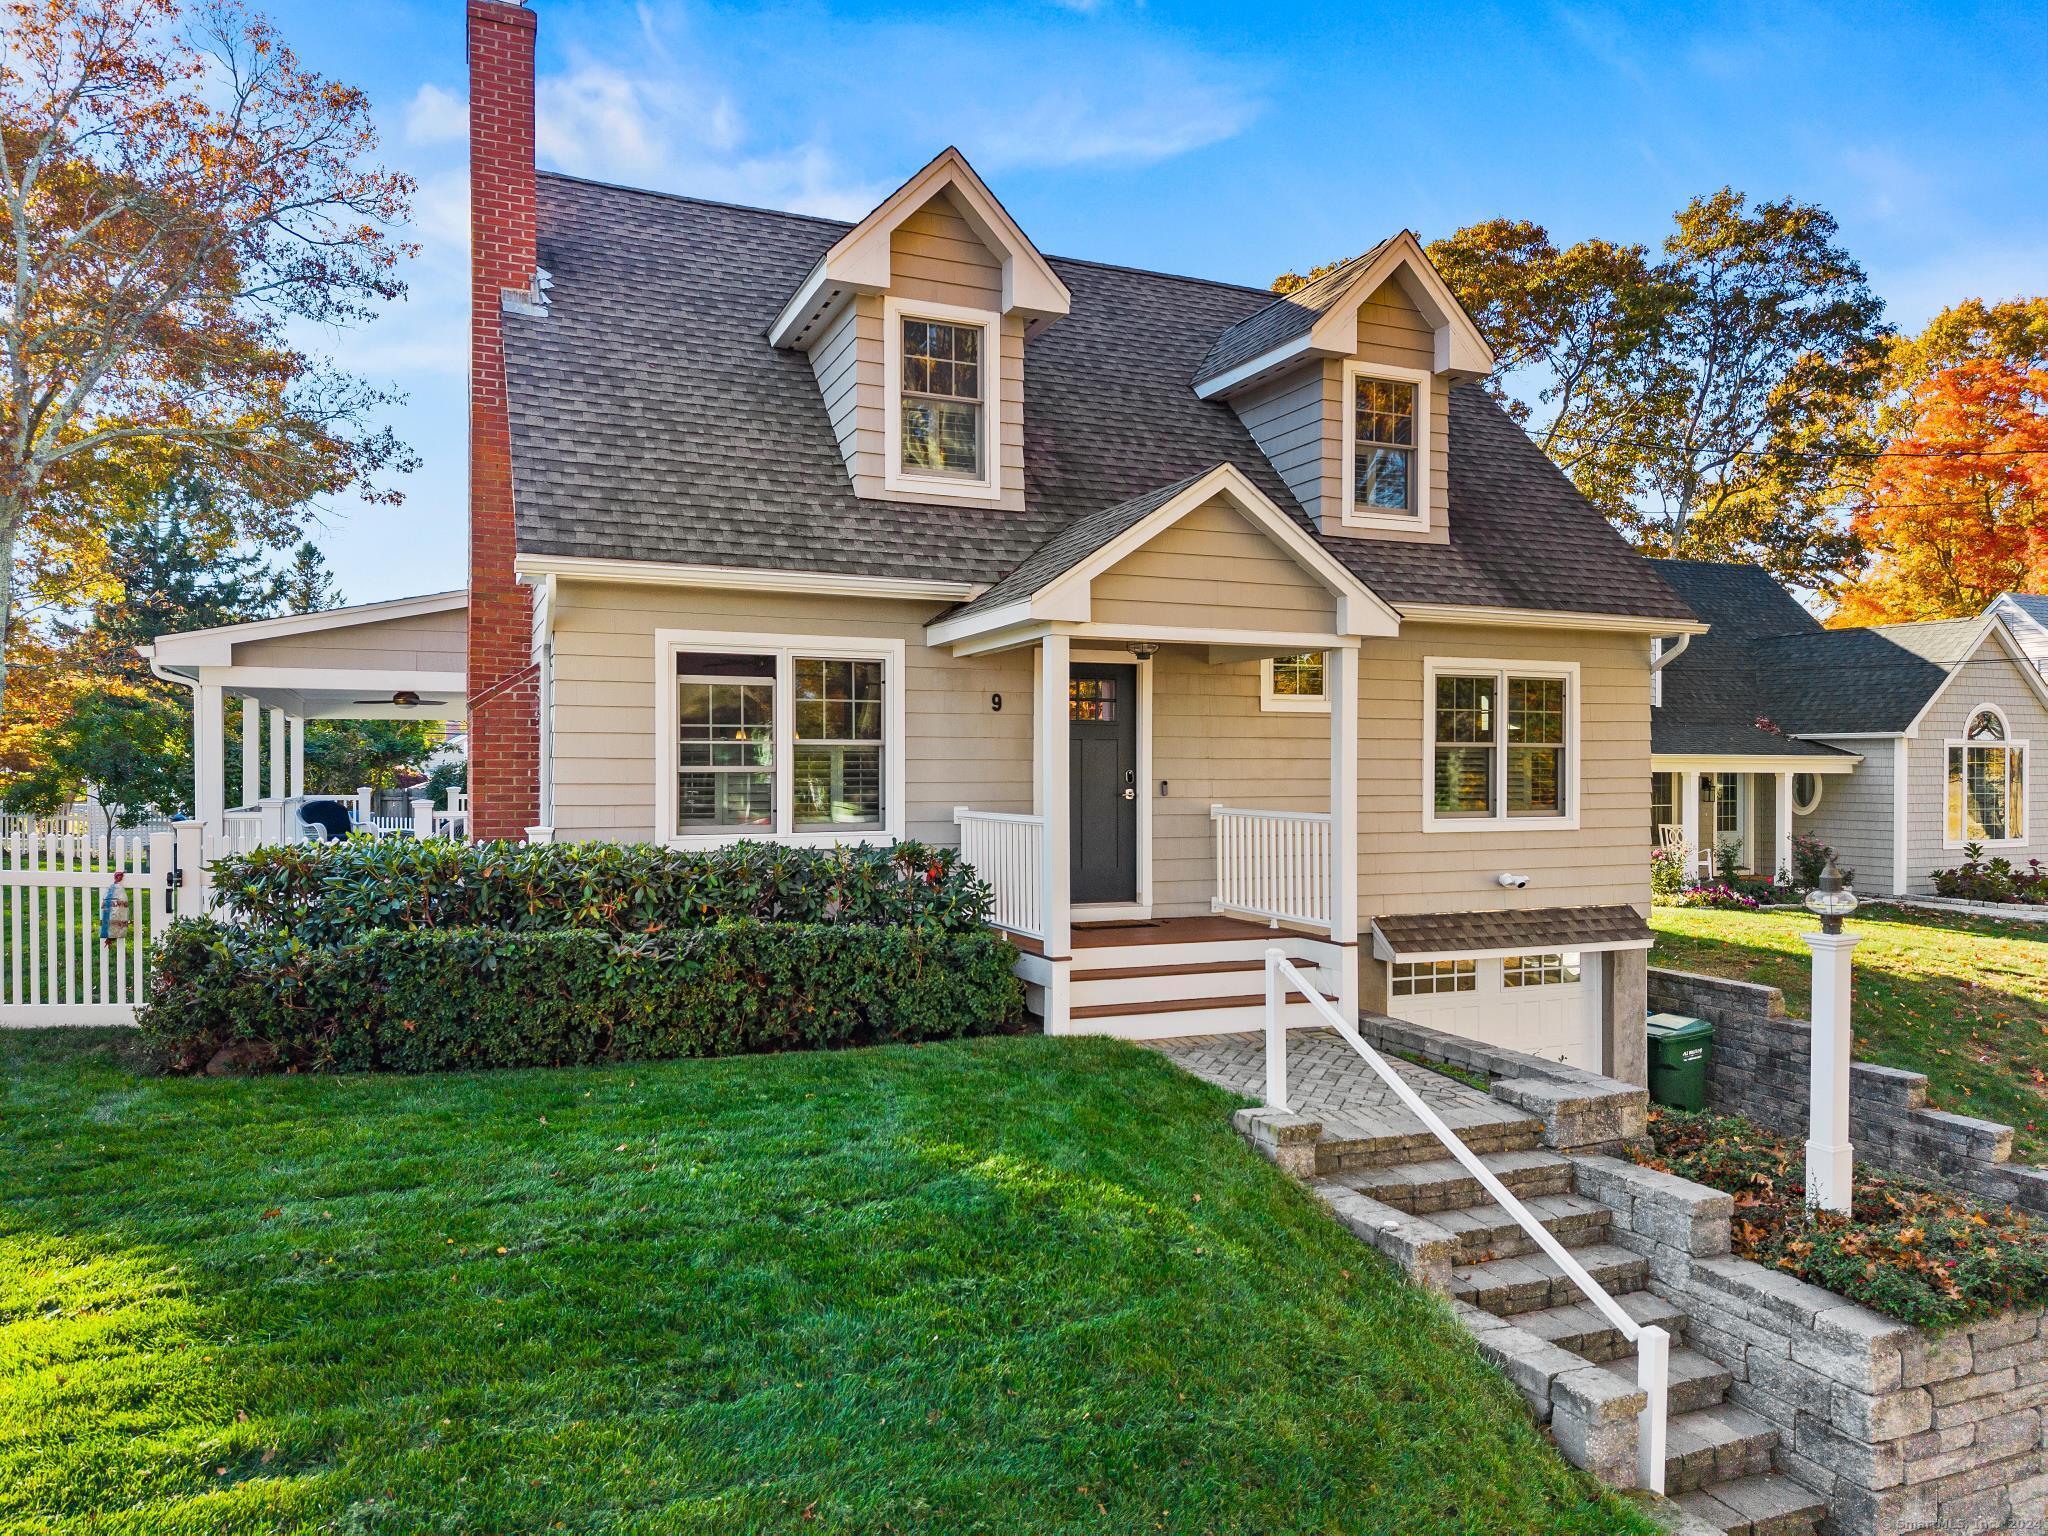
[54, 966]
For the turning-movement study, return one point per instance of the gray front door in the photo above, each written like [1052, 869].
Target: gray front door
[1102, 755]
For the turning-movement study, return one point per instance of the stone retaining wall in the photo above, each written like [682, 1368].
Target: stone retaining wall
[1761, 1068]
[1899, 1430]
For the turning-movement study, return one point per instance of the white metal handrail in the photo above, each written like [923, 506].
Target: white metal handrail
[1278, 865]
[1008, 851]
[1653, 1344]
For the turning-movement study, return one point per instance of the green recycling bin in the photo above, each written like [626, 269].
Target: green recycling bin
[1679, 1050]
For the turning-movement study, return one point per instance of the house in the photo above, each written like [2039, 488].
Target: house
[1201, 620]
[2026, 615]
[1897, 745]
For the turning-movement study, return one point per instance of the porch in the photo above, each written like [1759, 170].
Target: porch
[1752, 807]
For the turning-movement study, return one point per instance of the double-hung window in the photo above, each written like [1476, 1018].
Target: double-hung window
[1987, 783]
[941, 364]
[1501, 741]
[1386, 446]
[787, 737]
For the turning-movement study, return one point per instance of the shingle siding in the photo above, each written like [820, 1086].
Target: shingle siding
[1854, 816]
[1989, 677]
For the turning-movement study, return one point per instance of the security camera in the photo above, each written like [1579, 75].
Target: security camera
[1513, 882]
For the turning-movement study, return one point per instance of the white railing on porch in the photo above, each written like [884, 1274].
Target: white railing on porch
[1273, 864]
[1653, 1344]
[1008, 851]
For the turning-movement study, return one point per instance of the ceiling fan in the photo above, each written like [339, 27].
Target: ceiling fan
[405, 698]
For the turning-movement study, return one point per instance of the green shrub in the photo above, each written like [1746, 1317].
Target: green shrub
[1994, 880]
[1915, 1253]
[442, 999]
[330, 893]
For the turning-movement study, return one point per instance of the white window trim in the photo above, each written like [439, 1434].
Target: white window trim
[1820, 785]
[1477, 666]
[1417, 521]
[895, 477]
[667, 642]
[1292, 703]
[2026, 779]
[1745, 817]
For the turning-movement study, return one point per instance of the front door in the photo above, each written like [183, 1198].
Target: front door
[1102, 756]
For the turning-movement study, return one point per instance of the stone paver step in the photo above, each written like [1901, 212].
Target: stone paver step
[1347, 1146]
[1442, 1184]
[1531, 1282]
[1715, 1445]
[1768, 1505]
[1695, 1381]
[1488, 1232]
[1580, 1327]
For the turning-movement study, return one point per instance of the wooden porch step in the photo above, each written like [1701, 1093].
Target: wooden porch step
[1182, 1004]
[1203, 968]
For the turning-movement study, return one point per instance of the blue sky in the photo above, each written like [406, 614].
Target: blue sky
[1207, 139]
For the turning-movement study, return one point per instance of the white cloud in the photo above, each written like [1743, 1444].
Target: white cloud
[1159, 108]
[435, 116]
[440, 215]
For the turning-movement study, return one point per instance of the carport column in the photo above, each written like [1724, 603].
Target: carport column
[209, 751]
[277, 762]
[298, 756]
[1340, 671]
[252, 750]
[1050, 733]
[1689, 819]
[1784, 825]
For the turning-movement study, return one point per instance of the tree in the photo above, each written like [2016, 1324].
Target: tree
[346, 754]
[306, 585]
[130, 746]
[1954, 506]
[175, 190]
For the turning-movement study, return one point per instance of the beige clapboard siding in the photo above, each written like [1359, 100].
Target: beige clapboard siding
[1989, 677]
[423, 642]
[935, 256]
[1289, 421]
[959, 751]
[1212, 570]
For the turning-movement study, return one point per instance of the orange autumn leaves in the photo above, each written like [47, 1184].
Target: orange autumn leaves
[1955, 510]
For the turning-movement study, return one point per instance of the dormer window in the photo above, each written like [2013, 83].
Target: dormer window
[1386, 446]
[942, 397]
[942, 409]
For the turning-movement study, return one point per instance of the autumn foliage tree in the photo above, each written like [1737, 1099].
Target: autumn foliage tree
[1954, 503]
[176, 190]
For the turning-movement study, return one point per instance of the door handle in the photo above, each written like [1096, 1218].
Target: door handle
[1130, 794]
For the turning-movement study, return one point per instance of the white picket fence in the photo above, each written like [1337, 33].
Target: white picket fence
[55, 966]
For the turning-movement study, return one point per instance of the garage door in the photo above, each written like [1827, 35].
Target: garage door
[1544, 1005]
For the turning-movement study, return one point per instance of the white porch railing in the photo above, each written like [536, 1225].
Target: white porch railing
[1653, 1344]
[1008, 851]
[1273, 864]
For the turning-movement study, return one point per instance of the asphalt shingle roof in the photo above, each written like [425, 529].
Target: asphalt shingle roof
[1767, 658]
[1291, 315]
[651, 420]
[1538, 928]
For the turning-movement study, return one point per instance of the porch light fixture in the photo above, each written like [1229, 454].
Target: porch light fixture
[1144, 650]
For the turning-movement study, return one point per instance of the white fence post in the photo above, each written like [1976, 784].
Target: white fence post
[1653, 1375]
[195, 885]
[1276, 1034]
[423, 818]
[270, 821]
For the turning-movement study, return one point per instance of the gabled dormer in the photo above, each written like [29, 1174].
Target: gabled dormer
[915, 323]
[1346, 382]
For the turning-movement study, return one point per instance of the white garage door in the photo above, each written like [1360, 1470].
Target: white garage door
[1544, 1005]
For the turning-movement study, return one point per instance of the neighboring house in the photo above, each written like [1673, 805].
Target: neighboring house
[1896, 745]
[2026, 615]
[1200, 620]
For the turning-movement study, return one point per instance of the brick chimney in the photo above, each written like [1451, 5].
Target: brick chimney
[504, 685]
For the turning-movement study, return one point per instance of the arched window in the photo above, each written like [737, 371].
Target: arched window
[1987, 783]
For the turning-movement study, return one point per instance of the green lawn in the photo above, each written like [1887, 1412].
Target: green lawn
[1963, 999]
[1007, 1285]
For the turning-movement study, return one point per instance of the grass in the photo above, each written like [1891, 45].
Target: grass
[1018, 1284]
[1963, 999]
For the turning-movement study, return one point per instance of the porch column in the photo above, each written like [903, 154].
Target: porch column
[1340, 673]
[252, 750]
[1783, 825]
[277, 760]
[1049, 730]
[1689, 819]
[209, 749]
[298, 756]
